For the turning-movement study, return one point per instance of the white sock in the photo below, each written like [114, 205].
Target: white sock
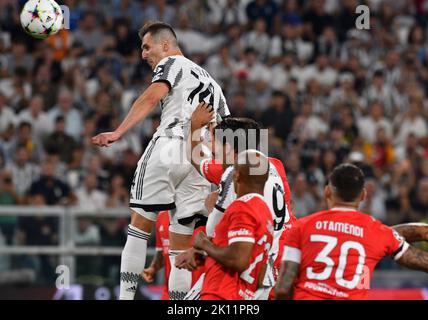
[133, 261]
[180, 280]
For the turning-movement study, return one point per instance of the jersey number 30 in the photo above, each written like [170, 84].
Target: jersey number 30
[323, 257]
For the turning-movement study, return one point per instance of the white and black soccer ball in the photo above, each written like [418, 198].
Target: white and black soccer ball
[41, 18]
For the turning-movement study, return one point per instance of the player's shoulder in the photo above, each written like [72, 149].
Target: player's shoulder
[227, 174]
[250, 202]
[277, 164]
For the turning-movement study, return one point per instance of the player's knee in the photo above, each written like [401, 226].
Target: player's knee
[140, 222]
[179, 241]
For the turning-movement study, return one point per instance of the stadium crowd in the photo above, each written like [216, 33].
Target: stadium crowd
[328, 93]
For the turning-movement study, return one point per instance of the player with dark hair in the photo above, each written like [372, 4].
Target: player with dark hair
[332, 254]
[164, 179]
[232, 136]
[238, 252]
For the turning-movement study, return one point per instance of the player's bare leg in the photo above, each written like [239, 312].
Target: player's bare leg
[180, 280]
[134, 255]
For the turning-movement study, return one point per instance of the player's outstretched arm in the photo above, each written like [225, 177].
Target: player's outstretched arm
[157, 263]
[413, 232]
[284, 285]
[201, 116]
[414, 258]
[140, 109]
[235, 256]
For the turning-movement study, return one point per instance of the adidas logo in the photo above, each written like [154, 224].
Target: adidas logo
[132, 289]
[48, 19]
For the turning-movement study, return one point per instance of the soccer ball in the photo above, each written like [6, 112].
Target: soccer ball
[41, 18]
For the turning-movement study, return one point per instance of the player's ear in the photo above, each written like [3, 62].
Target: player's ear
[327, 192]
[229, 153]
[165, 46]
[363, 194]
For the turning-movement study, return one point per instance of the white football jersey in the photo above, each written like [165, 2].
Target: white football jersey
[189, 85]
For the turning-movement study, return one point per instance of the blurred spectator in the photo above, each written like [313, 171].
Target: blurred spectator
[381, 152]
[227, 12]
[257, 39]
[190, 40]
[160, 10]
[87, 233]
[291, 41]
[88, 196]
[16, 89]
[51, 189]
[368, 126]
[279, 115]
[314, 127]
[118, 195]
[24, 172]
[410, 123]
[7, 116]
[72, 116]
[8, 196]
[374, 203]
[265, 9]
[95, 166]
[220, 66]
[304, 202]
[316, 18]
[381, 91]
[89, 33]
[419, 201]
[61, 141]
[25, 137]
[284, 71]
[38, 118]
[39, 231]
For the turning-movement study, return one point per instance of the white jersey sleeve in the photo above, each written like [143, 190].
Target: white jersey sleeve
[226, 193]
[189, 85]
[170, 71]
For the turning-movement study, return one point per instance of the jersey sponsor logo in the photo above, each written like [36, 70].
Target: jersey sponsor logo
[325, 288]
[239, 233]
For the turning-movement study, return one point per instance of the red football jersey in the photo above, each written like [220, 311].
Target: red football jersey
[247, 219]
[338, 251]
[213, 172]
[162, 244]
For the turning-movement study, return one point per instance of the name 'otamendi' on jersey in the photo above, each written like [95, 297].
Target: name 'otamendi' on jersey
[189, 85]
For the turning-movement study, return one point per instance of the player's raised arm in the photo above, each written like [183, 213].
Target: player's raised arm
[414, 258]
[287, 275]
[140, 109]
[203, 114]
[413, 232]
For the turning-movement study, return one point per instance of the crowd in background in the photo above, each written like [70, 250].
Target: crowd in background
[327, 91]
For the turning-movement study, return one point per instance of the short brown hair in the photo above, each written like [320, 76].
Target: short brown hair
[154, 27]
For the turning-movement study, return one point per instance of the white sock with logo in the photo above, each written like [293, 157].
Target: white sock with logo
[133, 262]
[180, 280]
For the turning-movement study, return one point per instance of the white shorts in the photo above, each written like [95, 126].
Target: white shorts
[166, 180]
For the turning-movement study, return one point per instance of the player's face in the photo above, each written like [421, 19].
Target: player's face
[152, 51]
